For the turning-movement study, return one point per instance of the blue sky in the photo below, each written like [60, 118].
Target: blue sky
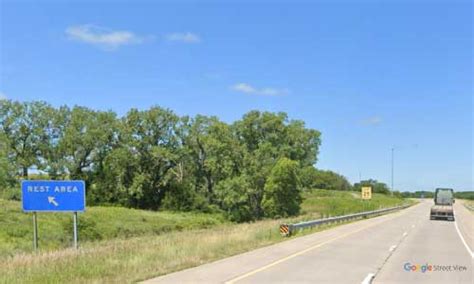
[370, 75]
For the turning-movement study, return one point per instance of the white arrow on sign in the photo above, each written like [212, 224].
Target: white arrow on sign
[52, 201]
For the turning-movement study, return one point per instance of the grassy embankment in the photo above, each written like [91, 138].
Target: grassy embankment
[96, 224]
[469, 204]
[137, 244]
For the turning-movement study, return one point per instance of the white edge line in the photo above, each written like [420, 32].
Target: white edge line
[368, 279]
[462, 239]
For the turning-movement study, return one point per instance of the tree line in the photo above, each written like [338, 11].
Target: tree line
[430, 194]
[252, 168]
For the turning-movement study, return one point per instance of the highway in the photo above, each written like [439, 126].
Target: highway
[402, 247]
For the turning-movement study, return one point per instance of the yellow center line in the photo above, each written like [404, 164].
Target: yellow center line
[232, 281]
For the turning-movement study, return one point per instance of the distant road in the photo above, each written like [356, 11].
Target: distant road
[378, 250]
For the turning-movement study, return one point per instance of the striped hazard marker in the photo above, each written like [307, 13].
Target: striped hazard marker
[284, 230]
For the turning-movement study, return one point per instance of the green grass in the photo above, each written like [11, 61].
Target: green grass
[96, 224]
[336, 203]
[118, 257]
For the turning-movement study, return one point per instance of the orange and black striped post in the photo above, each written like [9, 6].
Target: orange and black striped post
[285, 230]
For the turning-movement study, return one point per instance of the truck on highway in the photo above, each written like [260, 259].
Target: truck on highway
[443, 207]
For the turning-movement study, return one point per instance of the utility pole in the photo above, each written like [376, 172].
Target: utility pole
[393, 150]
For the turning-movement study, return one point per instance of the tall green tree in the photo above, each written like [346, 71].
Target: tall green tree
[266, 137]
[282, 195]
[146, 156]
[7, 170]
[214, 151]
[87, 137]
[54, 162]
[23, 125]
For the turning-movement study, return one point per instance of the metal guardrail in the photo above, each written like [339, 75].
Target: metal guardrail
[287, 229]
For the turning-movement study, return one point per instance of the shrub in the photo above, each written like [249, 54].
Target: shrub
[282, 195]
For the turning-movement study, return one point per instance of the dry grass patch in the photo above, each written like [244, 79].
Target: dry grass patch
[138, 258]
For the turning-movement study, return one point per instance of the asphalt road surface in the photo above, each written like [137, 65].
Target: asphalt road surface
[402, 247]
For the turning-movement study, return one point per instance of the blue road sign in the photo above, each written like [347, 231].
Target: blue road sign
[53, 195]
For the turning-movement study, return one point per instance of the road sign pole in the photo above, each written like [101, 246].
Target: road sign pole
[75, 229]
[393, 162]
[35, 232]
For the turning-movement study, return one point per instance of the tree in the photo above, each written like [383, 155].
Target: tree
[313, 178]
[141, 166]
[302, 143]
[282, 190]
[155, 159]
[87, 138]
[464, 195]
[419, 194]
[233, 197]
[23, 125]
[308, 177]
[54, 162]
[214, 152]
[7, 171]
[266, 137]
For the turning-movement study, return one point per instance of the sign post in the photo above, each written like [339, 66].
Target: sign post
[35, 231]
[53, 196]
[75, 229]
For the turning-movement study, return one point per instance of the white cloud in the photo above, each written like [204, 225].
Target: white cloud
[249, 89]
[375, 120]
[102, 37]
[184, 37]
[244, 88]
[2, 96]
[272, 92]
